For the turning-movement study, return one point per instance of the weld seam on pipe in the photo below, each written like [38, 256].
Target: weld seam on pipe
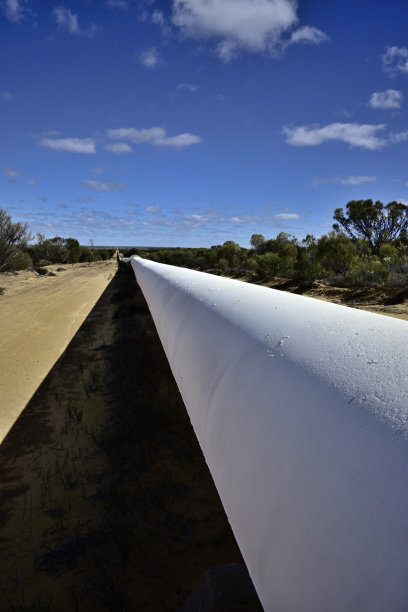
[300, 407]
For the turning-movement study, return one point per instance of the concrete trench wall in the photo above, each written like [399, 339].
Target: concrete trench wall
[300, 407]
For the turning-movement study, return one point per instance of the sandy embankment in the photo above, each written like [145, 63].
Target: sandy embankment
[39, 315]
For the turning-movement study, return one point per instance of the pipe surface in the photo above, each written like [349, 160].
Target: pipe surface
[300, 407]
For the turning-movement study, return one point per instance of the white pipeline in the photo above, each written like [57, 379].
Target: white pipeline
[300, 407]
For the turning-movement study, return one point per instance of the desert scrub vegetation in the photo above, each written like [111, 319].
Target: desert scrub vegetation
[14, 237]
[367, 246]
[18, 253]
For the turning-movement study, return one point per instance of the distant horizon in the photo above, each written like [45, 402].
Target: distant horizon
[199, 122]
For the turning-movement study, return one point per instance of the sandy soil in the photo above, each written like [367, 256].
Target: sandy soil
[106, 503]
[38, 317]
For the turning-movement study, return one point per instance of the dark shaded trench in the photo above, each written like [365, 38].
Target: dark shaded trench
[138, 519]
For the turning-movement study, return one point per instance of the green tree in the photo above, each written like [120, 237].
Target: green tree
[230, 251]
[258, 243]
[335, 252]
[373, 221]
[51, 250]
[13, 237]
[268, 264]
[74, 249]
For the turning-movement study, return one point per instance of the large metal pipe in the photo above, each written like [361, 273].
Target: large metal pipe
[300, 407]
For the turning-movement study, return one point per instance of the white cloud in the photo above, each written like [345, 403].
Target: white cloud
[156, 136]
[104, 185]
[71, 145]
[357, 180]
[83, 199]
[120, 4]
[137, 135]
[344, 180]
[10, 173]
[68, 21]
[14, 10]
[390, 98]
[354, 134]
[6, 95]
[395, 60]
[287, 216]
[31, 183]
[42, 198]
[188, 87]
[307, 35]
[152, 209]
[241, 25]
[400, 137]
[97, 170]
[180, 142]
[158, 18]
[118, 147]
[150, 58]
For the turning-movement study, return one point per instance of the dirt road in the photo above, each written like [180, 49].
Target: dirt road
[39, 315]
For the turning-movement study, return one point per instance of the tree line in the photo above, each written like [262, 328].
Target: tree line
[16, 252]
[368, 245]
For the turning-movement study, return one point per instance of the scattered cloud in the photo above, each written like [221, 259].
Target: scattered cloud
[287, 216]
[150, 58]
[344, 180]
[307, 35]
[104, 185]
[242, 25]
[83, 199]
[70, 145]
[42, 198]
[31, 183]
[390, 98]
[400, 137]
[97, 170]
[354, 134]
[64, 206]
[68, 21]
[6, 95]
[158, 18]
[15, 10]
[11, 174]
[153, 209]
[155, 136]
[357, 180]
[118, 147]
[119, 4]
[51, 133]
[395, 60]
[187, 87]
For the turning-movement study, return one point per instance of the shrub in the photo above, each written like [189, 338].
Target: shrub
[21, 261]
[268, 264]
[86, 255]
[367, 272]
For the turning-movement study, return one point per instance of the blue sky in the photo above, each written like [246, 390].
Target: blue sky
[193, 122]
